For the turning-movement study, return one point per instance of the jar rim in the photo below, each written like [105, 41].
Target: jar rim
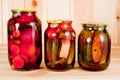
[94, 25]
[23, 10]
[89, 25]
[67, 21]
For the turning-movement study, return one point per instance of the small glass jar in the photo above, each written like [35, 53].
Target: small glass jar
[94, 45]
[59, 45]
[24, 40]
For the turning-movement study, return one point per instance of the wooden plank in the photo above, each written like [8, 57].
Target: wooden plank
[37, 4]
[5, 17]
[17, 4]
[30, 4]
[44, 18]
[13, 4]
[58, 9]
[1, 23]
[111, 73]
[83, 12]
[118, 20]
[104, 11]
[6, 14]
[34, 4]
[44, 14]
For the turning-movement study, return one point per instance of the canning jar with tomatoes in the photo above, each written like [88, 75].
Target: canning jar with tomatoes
[94, 46]
[24, 40]
[59, 45]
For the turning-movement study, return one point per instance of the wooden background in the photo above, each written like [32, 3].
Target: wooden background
[80, 11]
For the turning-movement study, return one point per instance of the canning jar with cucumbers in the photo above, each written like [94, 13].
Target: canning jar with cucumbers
[94, 46]
[24, 40]
[59, 45]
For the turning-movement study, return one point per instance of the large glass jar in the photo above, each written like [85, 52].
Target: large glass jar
[94, 45]
[59, 45]
[24, 40]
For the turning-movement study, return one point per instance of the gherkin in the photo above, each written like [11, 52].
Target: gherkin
[94, 45]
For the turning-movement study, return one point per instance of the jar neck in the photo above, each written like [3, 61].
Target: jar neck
[94, 27]
[89, 26]
[16, 14]
[66, 24]
[53, 25]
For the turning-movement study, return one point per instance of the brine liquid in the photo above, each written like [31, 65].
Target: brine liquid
[24, 43]
[59, 50]
[94, 50]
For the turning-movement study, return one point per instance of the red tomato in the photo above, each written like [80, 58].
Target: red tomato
[25, 58]
[31, 50]
[26, 17]
[38, 52]
[28, 50]
[15, 49]
[18, 62]
[33, 58]
[26, 36]
[52, 33]
[16, 33]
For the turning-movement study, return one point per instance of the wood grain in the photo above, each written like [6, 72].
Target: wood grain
[80, 11]
[1, 23]
[104, 11]
[34, 4]
[112, 73]
[118, 20]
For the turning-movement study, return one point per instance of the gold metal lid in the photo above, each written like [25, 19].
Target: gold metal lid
[54, 21]
[23, 10]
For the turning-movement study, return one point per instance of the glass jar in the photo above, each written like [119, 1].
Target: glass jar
[24, 40]
[94, 45]
[59, 45]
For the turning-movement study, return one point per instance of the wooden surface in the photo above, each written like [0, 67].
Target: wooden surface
[112, 73]
[79, 11]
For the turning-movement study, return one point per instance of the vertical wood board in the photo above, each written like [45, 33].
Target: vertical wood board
[118, 20]
[104, 11]
[82, 13]
[1, 35]
[58, 9]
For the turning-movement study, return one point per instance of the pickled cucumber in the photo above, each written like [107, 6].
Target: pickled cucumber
[64, 48]
[104, 40]
[54, 49]
[48, 49]
[88, 45]
[96, 49]
[71, 53]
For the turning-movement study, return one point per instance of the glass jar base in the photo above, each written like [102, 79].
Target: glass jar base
[93, 68]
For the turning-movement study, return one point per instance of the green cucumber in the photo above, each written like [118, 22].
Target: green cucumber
[54, 49]
[88, 46]
[104, 49]
[89, 52]
[48, 49]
